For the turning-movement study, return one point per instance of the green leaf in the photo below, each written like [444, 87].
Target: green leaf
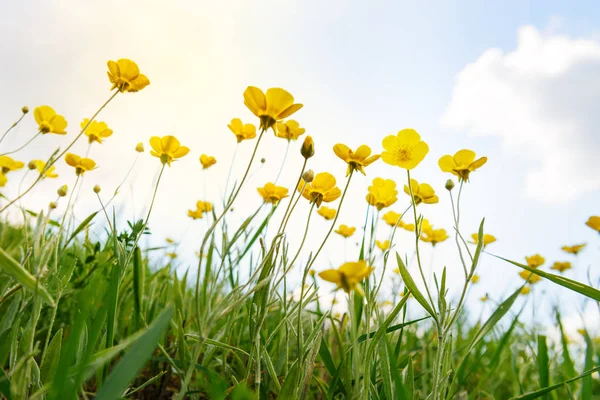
[135, 358]
[139, 273]
[16, 271]
[412, 286]
[391, 329]
[539, 393]
[586, 389]
[81, 227]
[51, 357]
[4, 385]
[543, 363]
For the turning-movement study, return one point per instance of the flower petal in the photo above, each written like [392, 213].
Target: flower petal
[155, 143]
[464, 158]
[128, 69]
[278, 100]
[255, 100]
[342, 151]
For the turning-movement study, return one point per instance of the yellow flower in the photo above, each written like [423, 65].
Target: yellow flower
[561, 266]
[594, 223]
[408, 227]
[80, 164]
[321, 189]
[348, 275]
[487, 239]
[201, 208]
[308, 148]
[535, 261]
[7, 164]
[207, 161]
[40, 165]
[327, 213]
[272, 194]
[484, 298]
[96, 131]
[530, 276]
[391, 218]
[3, 179]
[139, 147]
[525, 290]
[242, 131]
[462, 164]
[169, 240]
[575, 249]
[167, 148]
[475, 279]
[405, 149]
[356, 160]
[49, 121]
[433, 236]
[382, 193]
[422, 192]
[172, 255]
[312, 272]
[345, 230]
[272, 107]
[289, 130]
[125, 76]
[383, 246]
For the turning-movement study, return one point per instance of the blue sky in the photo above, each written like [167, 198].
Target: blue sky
[363, 71]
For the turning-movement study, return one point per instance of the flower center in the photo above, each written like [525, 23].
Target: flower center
[404, 153]
[44, 127]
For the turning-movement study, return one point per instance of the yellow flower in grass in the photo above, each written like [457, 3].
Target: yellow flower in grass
[461, 164]
[321, 189]
[348, 275]
[242, 131]
[167, 149]
[561, 266]
[535, 260]
[289, 130]
[530, 276]
[405, 226]
[434, 236]
[172, 255]
[3, 179]
[405, 149]
[39, 165]
[525, 290]
[594, 223]
[272, 107]
[7, 164]
[49, 121]
[81, 164]
[487, 239]
[96, 131]
[475, 279]
[391, 218]
[272, 193]
[575, 249]
[422, 192]
[345, 231]
[125, 76]
[201, 208]
[382, 193]
[207, 161]
[383, 246]
[327, 213]
[356, 160]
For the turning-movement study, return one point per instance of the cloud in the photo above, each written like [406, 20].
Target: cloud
[541, 99]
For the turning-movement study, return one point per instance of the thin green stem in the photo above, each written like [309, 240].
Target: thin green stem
[23, 146]
[11, 127]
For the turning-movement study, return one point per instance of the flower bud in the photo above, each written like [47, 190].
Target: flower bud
[25, 109]
[62, 191]
[97, 189]
[52, 205]
[308, 148]
[312, 272]
[449, 184]
[263, 160]
[32, 165]
[139, 147]
[308, 176]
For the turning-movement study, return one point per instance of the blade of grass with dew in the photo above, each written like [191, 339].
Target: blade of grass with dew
[412, 287]
[539, 393]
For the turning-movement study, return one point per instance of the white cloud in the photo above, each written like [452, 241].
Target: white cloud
[542, 100]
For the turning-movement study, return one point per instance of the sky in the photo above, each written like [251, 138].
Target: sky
[516, 81]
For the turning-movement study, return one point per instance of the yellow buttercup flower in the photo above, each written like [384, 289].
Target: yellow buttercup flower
[139, 147]
[405, 149]
[169, 240]
[348, 275]
[272, 193]
[433, 236]
[201, 208]
[327, 213]
[207, 161]
[289, 130]
[382, 193]
[422, 192]
[525, 290]
[81, 164]
[357, 160]
[535, 261]
[408, 227]
[487, 239]
[461, 164]
[530, 276]
[40, 165]
[7, 164]
[594, 223]
[383, 246]
[167, 149]
[321, 189]
[49, 121]
[125, 76]
[475, 278]
[345, 231]
[391, 218]
[575, 249]
[272, 107]
[561, 266]
[242, 131]
[96, 131]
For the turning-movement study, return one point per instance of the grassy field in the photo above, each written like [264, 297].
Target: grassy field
[103, 317]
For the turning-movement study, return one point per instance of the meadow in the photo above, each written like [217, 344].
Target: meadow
[91, 317]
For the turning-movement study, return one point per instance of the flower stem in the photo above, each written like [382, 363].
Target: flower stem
[23, 146]
[11, 127]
